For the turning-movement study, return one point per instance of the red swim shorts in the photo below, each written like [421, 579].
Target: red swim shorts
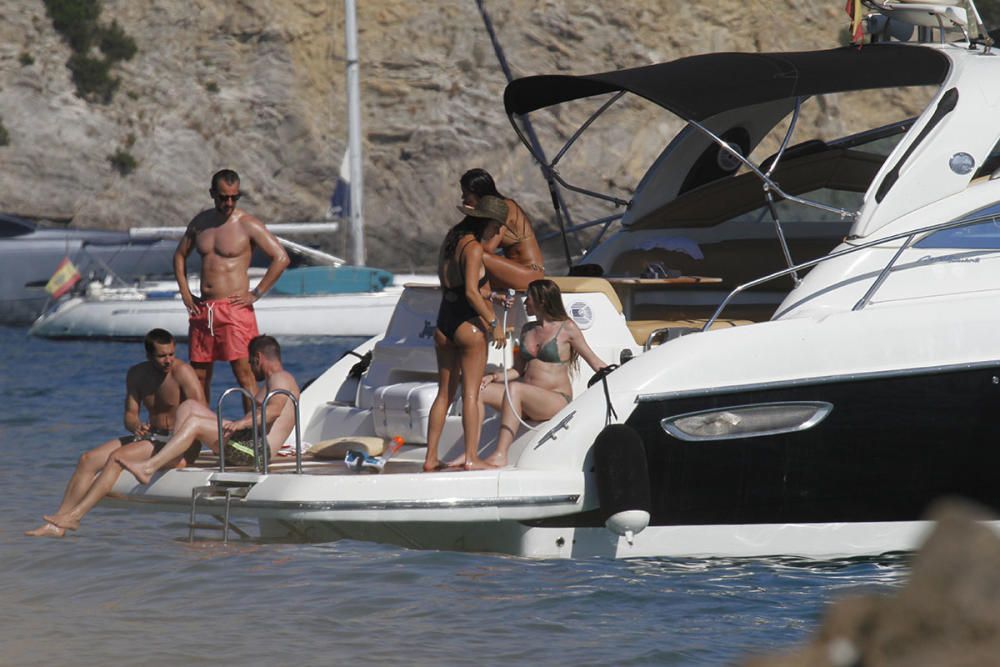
[221, 331]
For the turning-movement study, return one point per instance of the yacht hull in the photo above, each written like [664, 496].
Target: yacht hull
[487, 524]
[456, 529]
[892, 444]
[318, 315]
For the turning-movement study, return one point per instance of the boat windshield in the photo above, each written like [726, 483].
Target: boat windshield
[834, 175]
[792, 213]
[982, 236]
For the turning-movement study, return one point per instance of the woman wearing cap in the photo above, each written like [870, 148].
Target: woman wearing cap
[521, 261]
[464, 319]
[538, 386]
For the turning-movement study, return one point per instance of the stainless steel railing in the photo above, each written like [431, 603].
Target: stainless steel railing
[298, 433]
[879, 280]
[218, 415]
[262, 449]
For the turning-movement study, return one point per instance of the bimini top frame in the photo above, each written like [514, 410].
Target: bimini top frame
[697, 88]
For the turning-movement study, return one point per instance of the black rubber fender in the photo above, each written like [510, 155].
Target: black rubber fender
[621, 471]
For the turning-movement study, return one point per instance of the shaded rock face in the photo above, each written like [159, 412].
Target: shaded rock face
[260, 88]
[947, 614]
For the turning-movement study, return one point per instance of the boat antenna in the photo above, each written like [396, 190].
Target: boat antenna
[354, 133]
[536, 148]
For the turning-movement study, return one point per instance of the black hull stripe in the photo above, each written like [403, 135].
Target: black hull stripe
[892, 445]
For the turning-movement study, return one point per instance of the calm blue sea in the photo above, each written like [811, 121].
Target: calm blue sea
[127, 589]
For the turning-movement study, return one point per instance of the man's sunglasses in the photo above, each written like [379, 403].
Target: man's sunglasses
[235, 197]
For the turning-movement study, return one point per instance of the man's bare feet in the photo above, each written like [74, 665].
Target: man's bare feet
[136, 468]
[64, 521]
[46, 530]
[434, 466]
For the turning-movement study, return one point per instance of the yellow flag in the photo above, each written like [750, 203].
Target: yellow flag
[63, 279]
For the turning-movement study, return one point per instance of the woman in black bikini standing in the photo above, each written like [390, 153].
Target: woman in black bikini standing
[464, 320]
[539, 383]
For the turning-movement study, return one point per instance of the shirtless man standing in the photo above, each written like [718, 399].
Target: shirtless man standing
[222, 320]
[159, 384]
[196, 422]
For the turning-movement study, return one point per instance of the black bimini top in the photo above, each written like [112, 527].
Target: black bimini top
[698, 87]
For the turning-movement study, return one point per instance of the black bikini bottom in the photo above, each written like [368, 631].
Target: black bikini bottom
[455, 309]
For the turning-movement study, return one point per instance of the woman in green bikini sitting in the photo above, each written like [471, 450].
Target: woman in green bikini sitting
[539, 384]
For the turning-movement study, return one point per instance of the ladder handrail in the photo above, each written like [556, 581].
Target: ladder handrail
[266, 448]
[879, 280]
[218, 415]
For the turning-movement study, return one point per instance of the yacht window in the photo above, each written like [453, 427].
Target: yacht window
[981, 236]
[881, 146]
[879, 141]
[746, 421]
[789, 212]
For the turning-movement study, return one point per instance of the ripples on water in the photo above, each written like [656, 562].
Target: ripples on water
[128, 589]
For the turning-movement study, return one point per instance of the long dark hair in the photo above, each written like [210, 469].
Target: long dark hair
[547, 297]
[480, 183]
[469, 225]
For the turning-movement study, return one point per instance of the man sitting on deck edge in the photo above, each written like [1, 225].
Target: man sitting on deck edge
[196, 422]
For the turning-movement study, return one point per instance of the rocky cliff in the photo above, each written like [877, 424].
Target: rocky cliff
[260, 87]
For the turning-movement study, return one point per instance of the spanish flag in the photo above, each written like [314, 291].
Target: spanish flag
[856, 13]
[63, 279]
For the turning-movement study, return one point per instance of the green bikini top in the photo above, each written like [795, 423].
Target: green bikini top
[547, 351]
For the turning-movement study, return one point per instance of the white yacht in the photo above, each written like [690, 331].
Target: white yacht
[339, 301]
[320, 296]
[30, 253]
[808, 397]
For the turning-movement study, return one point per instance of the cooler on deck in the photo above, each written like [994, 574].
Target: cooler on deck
[402, 410]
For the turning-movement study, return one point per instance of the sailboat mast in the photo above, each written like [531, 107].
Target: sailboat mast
[354, 133]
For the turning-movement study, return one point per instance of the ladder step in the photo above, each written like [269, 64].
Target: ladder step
[219, 496]
[215, 492]
[206, 526]
[235, 478]
[222, 492]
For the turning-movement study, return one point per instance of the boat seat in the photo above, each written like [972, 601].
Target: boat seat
[642, 329]
[583, 284]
